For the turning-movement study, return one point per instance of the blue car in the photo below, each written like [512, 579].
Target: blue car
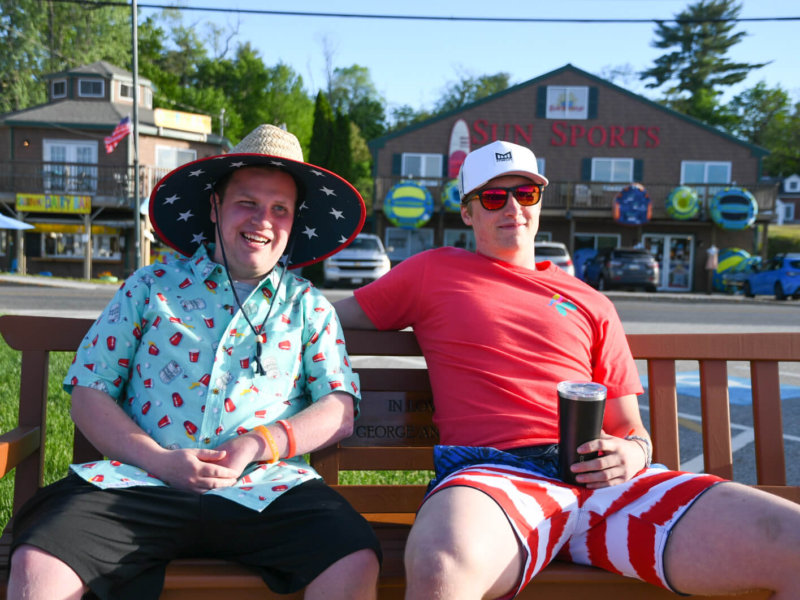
[779, 275]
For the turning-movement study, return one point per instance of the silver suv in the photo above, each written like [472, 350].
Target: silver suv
[364, 260]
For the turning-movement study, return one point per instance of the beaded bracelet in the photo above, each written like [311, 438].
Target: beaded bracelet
[645, 446]
[273, 447]
[287, 427]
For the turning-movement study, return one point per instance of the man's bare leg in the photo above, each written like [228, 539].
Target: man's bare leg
[37, 575]
[461, 547]
[735, 538]
[353, 577]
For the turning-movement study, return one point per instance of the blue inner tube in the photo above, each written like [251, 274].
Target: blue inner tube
[733, 208]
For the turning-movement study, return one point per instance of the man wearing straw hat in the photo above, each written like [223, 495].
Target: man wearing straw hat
[204, 381]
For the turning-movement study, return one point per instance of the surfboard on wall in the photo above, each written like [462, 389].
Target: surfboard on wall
[459, 147]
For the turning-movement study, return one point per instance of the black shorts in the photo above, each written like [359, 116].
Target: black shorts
[119, 541]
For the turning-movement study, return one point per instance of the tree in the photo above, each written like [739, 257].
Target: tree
[697, 67]
[469, 89]
[322, 132]
[40, 37]
[353, 93]
[766, 117]
[405, 115]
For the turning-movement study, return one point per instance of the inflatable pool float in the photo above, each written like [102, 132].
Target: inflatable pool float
[683, 203]
[408, 205]
[450, 198]
[728, 258]
[632, 205]
[733, 208]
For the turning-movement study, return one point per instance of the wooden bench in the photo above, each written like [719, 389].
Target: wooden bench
[395, 433]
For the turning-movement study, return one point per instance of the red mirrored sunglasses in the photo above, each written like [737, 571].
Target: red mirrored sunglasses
[495, 198]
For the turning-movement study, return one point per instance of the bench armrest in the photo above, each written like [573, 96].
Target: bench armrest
[16, 445]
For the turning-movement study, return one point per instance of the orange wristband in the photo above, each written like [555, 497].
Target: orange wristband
[287, 427]
[264, 433]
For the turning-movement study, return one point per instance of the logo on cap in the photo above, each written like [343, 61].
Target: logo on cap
[501, 157]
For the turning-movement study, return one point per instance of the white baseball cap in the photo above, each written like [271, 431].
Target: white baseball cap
[495, 160]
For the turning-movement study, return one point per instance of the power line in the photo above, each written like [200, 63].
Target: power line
[293, 13]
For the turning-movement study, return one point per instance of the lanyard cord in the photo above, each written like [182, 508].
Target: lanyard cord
[259, 337]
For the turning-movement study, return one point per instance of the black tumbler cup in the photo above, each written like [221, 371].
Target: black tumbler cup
[580, 418]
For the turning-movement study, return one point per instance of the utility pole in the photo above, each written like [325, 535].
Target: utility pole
[136, 195]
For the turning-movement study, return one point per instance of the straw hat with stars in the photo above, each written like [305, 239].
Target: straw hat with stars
[330, 212]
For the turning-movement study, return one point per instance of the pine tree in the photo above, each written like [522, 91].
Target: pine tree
[321, 145]
[697, 67]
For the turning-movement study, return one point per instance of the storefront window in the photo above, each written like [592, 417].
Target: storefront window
[70, 166]
[402, 243]
[616, 170]
[171, 158]
[419, 166]
[700, 172]
[460, 238]
[71, 245]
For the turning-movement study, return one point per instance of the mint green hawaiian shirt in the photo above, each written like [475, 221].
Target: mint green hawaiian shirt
[176, 353]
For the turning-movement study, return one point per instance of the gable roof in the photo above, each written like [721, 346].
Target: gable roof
[99, 68]
[83, 114]
[379, 142]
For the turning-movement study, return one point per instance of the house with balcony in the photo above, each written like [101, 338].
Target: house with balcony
[57, 174]
[592, 139]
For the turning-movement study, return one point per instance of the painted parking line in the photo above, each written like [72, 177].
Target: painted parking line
[739, 388]
[745, 436]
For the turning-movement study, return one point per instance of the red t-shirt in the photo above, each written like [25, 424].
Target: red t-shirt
[498, 338]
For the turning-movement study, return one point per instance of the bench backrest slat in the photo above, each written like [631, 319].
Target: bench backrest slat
[664, 412]
[395, 431]
[767, 422]
[717, 453]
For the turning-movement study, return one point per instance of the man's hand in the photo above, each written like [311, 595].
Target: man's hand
[239, 452]
[619, 460]
[196, 469]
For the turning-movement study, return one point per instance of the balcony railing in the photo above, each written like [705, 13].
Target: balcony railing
[108, 186]
[599, 197]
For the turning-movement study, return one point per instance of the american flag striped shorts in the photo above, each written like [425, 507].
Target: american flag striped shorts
[622, 528]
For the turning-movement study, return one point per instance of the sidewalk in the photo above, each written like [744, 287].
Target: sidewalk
[717, 297]
[10, 278]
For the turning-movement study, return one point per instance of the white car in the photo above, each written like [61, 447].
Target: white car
[364, 260]
[557, 253]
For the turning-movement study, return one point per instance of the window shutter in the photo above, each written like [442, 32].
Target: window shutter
[592, 103]
[638, 169]
[586, 169]
[541, 102]
[397, 164]
[445, 165]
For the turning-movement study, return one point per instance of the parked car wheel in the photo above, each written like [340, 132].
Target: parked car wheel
[779, 294]
[650, 288]
[748, 290]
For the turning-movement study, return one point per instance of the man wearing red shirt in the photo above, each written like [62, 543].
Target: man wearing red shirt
[498, 333]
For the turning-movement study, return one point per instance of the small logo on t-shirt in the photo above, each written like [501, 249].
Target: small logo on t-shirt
[562, 305]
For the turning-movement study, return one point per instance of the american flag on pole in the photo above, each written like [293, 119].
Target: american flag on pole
[122, 129]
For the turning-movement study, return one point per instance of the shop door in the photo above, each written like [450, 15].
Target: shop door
[675, 256]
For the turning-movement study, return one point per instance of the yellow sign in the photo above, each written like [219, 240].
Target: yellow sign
[55, 204]
[174, 119]
[79, 229]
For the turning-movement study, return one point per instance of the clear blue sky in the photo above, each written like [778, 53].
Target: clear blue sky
[411, 62]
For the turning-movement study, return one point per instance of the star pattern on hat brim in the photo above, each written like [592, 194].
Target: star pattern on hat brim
[327, 218]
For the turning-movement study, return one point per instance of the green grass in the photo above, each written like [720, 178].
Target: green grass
[783, 238]
[58, 445]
